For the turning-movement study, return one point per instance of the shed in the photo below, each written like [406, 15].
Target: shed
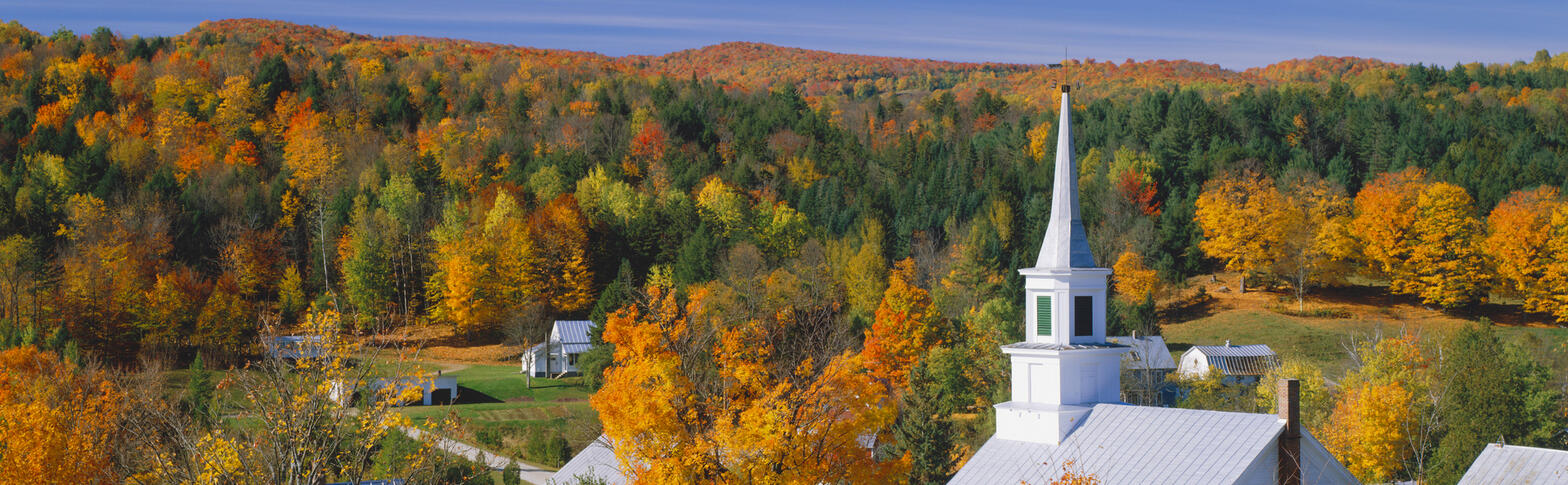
[558, 355]
[294, 347]
[1523, 465]
[1242, 362]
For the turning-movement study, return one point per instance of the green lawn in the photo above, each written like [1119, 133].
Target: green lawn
[1321, 340]
[497, 396]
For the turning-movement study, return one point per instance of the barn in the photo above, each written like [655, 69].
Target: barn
[1238, 363]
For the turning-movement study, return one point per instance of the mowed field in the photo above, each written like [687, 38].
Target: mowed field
[498, 396]
[1259, 317]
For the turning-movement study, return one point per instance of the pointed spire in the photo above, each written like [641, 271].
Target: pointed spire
[1066, 244]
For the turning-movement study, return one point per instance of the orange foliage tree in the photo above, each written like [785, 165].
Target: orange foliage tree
[1519, 230]
[58, 421]
[904, 328]
[1384, 224]
[696, 397]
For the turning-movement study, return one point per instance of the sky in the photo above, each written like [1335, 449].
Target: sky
[1233, 34]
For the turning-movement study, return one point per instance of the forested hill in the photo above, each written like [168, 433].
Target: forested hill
[162, 195]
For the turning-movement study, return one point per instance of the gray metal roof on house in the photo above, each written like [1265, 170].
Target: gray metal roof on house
[574, 331]
[1510, 464]
[1148, 352]
[1119, 443]
[1239, 360]
[575, 348]
[595, 461]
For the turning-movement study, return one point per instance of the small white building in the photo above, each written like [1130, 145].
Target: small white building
[1240, 363]
[558, 355]
[430, 384]
[1148, 353]
[294, 347]
[1145, 370]
[1501, 463]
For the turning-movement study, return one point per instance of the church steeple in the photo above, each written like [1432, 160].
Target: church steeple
[1066, 245]
[1064, 365]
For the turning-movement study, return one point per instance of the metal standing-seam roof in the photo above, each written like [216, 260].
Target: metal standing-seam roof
[1147, 352]
[574, 331]
[1119, 443]
[1239, 360]
[595, 461]
[1523, 465]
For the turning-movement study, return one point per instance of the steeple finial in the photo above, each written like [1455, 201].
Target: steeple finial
[1066, 244]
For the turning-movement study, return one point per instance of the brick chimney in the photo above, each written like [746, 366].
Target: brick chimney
[1289, 397]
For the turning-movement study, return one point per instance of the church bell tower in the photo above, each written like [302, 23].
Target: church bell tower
[1064, 365]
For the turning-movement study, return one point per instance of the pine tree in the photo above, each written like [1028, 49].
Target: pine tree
[924, 431]
[199, 393]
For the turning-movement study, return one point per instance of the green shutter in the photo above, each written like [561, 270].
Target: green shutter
[1043, 315]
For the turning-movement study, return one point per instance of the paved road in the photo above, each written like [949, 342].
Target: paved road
[530, 473]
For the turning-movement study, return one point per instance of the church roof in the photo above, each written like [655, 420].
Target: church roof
[1066, 245]
[597, 461]
[1500, 463]
[1119, 443]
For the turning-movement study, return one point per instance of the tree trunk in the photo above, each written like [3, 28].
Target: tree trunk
[1242, 288]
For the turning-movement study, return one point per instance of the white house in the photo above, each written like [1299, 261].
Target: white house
[1144, 371]
[558, 355]
[1501, 463]
[1148, 353]
[1066, 414]
[1246, 363]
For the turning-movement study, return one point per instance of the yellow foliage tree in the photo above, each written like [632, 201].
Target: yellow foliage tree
[694, 398]
[1315, 243]
[1384, 222]
[1447, 267]
[1240, 216]
[1368, 431]
[1133, 280]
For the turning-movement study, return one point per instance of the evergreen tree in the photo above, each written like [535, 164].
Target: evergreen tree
[199, 393]
[924, 430]
[599, 357]
[1491, 388]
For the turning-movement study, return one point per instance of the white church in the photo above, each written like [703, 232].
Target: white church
[1066, 414]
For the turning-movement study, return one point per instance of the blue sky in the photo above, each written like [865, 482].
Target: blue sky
[1233, 34]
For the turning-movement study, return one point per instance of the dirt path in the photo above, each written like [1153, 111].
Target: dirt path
[529, 472]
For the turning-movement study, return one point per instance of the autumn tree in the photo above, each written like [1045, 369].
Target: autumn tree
[1448, 267]
[58, 421]
[1378, 425]
[1518, 232]
[309, 428]
[709, 390]
[906, 325]
[1316, 246]
[314, 163]
[1384, 224]
[1240, 216]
